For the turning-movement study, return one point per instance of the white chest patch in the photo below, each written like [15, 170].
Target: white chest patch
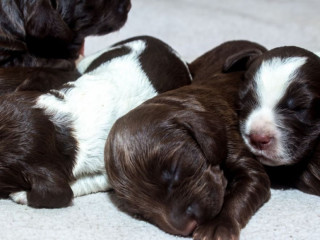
[96, 100]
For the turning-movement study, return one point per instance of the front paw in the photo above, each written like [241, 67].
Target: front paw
[217, 229]
[19, 197]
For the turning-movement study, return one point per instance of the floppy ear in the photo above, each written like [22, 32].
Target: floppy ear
[241, 60]
[45, 28]
[209, 133]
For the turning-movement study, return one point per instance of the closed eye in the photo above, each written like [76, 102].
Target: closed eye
[171, 177]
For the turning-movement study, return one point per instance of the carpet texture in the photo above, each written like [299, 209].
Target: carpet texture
[192, 27]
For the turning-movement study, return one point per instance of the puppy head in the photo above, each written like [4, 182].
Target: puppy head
[280, 102]
[166, 170]
[56, 28]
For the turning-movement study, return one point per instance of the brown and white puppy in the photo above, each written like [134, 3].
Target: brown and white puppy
[280, 115]
[51, 145]
[178, 160]
[47, 35]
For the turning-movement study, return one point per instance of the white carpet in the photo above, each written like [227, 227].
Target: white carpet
[191, 27]
[288, 215]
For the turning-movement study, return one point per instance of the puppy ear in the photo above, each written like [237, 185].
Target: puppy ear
[241, 60]
[209, 133]
[45, 28]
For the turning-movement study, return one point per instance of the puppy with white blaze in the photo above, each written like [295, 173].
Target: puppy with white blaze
[52, 144]
[280, 115]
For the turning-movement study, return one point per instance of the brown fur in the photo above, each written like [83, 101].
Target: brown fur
[178, 160]
[41, 39]
[38, 144]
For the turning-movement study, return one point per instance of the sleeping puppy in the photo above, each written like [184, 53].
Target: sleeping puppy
[178, 160]
[48, 35]
[52, 144]
[280, 115]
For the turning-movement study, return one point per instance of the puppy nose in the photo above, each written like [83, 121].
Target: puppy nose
[188, 228]
[260, 141]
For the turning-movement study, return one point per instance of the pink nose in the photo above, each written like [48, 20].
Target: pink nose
[260, 141]
[189, 228]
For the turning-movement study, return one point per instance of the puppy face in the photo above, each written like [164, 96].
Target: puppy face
[159, 171]
[280, 104]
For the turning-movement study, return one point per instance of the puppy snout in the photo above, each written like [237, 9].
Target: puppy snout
[183, 223]
[189, 228]
[260, 141]
[124, 6]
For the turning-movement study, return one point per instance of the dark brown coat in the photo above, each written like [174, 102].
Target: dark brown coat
[41, 39]
[178, 160]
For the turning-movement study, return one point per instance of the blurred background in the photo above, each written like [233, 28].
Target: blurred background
[193, 27]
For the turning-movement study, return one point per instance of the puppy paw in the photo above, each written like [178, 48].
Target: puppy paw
[19, 197]
[217, 229]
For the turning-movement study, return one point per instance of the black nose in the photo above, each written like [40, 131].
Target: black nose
[124, 6]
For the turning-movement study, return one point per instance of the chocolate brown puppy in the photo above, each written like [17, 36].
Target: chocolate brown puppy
[178, 160]
[41, 39]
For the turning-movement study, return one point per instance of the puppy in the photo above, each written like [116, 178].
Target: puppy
[52, 144]
[178, 160]
[31, 30]
[48, 35]
[280, 115]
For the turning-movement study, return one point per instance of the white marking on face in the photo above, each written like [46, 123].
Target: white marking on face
[96, 101]
[274, 77]
[272, 80]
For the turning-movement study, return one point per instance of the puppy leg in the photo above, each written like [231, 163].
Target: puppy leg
[19, 197]
[90, 184]
[247, 191]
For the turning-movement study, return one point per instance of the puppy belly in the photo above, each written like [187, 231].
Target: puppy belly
[90, 184]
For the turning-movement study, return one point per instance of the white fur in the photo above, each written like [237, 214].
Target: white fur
[19, 197]
[272, 80]
[95, 102]
[90, 184]
[85, 62]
